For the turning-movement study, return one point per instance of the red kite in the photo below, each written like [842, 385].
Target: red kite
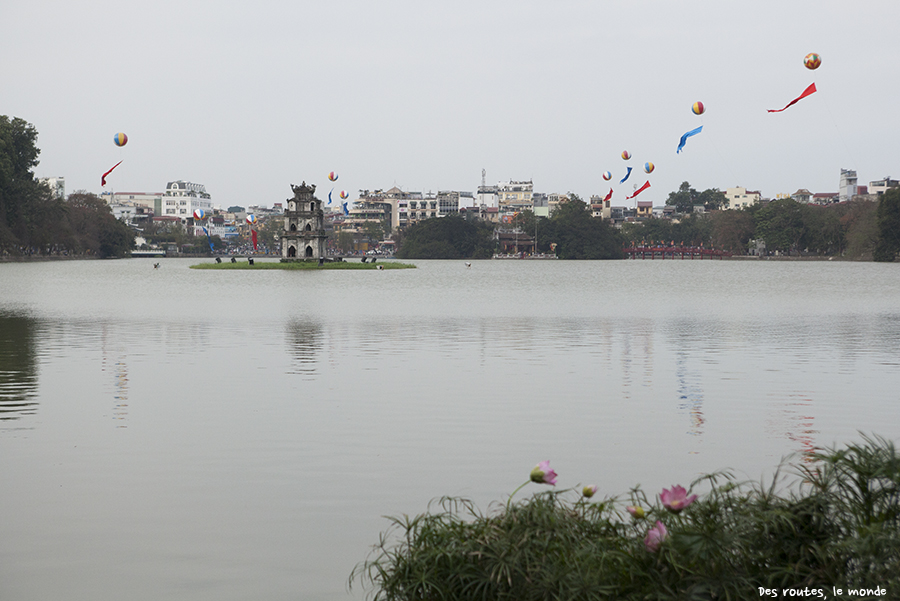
[806, 92]
[103, 177]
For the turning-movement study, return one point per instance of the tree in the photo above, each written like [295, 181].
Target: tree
[20, 194]
[450, 237]
[712, 199]
[822, 230]
[780, 225]
[650, 230]
[578, 235]
[731, 230]
[888, 217]
[684, 199]
[235, 209]
[345, 241]
[859, 224]
[269, 232]
[93, 229]
[374, 230]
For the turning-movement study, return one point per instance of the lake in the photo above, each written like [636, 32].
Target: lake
[214, 435]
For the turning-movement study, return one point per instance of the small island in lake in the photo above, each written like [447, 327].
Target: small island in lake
[311, 265]
[303, 241]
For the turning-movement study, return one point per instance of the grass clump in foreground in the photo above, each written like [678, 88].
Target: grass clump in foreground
[307, 265]
[836, 526]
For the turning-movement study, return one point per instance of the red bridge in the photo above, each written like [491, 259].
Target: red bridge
[674, 252]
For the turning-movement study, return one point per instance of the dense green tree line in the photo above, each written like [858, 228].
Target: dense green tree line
[861, 228]
[447, 238]
[34, 221]
[574, 233]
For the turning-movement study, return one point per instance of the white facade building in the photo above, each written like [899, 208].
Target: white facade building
[740, 198]
[881, 186]
[487, 196]
[848, 187]
[151, 200]
[183, 198]
[514, 195]
[57, 185]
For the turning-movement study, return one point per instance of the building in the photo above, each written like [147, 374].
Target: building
[600, 207]
[451, 201]
[367, 210]
[399, 208]
[644, 209]
[304, 226]
[488, 196]
[182, 198]
[554, 200]
[514, 195]
[491, 214]
[824, 198]
[422, 207]
[149, 200]
[57, 185]
[848, 188]
[802, 196]
[881, 186]
[740, 198]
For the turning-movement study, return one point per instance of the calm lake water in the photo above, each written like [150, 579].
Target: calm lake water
[204, 435]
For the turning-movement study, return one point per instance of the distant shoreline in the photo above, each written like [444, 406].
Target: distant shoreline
[367, 265]
[301, 265]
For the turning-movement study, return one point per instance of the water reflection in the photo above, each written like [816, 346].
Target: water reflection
[304, 340]
[18, 366]
[113, 361]
[689, 393]
[794, 421]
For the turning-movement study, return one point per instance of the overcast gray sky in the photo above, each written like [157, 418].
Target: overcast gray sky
[249, 97]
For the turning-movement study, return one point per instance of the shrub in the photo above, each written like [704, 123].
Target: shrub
[837, 524]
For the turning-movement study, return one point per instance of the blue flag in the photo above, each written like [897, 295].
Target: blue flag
[346, 212]
[622, 181]
[329, 196]
[684, 138]
[206, 231]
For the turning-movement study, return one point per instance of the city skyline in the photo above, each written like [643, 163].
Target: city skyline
[250, 98]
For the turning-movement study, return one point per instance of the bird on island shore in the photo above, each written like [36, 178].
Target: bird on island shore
[468, 264]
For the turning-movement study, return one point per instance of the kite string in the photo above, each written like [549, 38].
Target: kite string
[838, 129]
[712, 139]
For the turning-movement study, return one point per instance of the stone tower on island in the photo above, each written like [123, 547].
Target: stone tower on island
[304, 226]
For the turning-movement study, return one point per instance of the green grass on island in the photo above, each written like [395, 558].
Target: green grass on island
[309, 265]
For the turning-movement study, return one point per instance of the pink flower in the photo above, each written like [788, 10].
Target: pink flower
[589, 491]
[655, 536]
[676, 499]
[542, 474]
[636, 512]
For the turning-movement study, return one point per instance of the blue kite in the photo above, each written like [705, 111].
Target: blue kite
[622, 181]
[209, 239]
[684, 138]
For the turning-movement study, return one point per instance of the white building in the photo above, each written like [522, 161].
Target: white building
[515, 195]
[150, 200]
[881, 186]
[57, 185]
[848, 187]
[183, 198]
[740, 198]
[487, 196]
[122, 212]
